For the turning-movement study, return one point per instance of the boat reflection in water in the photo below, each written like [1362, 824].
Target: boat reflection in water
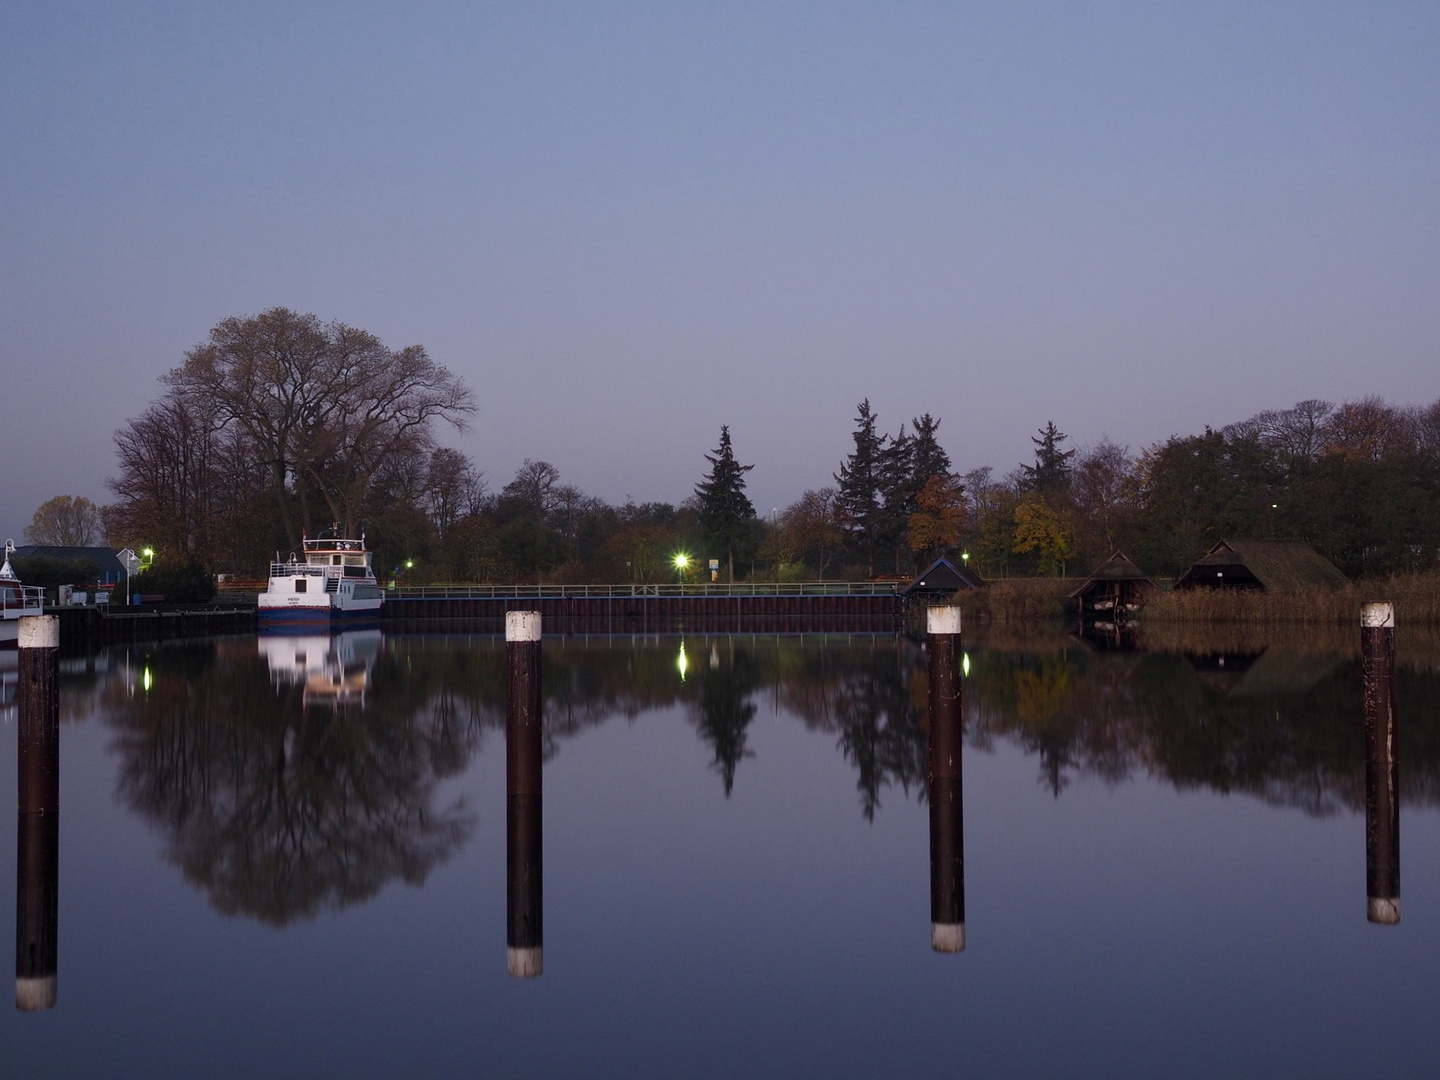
[333, 671]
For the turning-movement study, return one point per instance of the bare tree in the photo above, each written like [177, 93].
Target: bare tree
[65, 521]
[323, 405]
[454, 488]
[1102, 485]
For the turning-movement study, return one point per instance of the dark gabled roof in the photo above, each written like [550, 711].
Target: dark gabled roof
[1117, 567]
[1279, 565]
[943, 576]
[106, 560]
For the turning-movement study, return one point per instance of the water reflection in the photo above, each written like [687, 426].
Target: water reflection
[1382, 842]
[279, 802]
[37, 911]
[333, 671]
[303, 776]
[946, 794]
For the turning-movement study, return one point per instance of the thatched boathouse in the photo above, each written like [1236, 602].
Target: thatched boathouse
[1117, 588]
[1270, 565]
[943, 578]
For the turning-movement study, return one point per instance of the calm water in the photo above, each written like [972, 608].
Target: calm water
[287, 857]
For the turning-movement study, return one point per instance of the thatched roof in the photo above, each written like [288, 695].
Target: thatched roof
[1277, 565]
[1116, 568]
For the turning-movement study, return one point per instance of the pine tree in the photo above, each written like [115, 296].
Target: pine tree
[897, 468]
[726, 513]
[928, 458]
[1051, 471]
[859, 480]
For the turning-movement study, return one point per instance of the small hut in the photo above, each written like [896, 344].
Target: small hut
[1269, 565]
[1116, 588]
[942, 578]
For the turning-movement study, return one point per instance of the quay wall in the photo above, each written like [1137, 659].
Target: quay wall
[84, 627]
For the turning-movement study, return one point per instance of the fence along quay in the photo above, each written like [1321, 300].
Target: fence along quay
[758, 607]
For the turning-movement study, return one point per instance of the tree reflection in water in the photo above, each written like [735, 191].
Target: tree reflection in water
[727, 681]
[279, 811]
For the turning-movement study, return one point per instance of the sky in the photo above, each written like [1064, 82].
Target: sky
[627, 224]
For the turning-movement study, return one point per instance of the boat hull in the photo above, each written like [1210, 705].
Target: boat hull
[292, 616]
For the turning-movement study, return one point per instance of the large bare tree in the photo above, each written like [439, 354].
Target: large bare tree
[323, 404]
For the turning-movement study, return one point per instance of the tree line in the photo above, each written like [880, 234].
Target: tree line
[280, 424]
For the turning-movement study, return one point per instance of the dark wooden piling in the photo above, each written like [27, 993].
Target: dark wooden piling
[1382, 768]
[38, 827]
[524, 850]
[38, 701]
[947, 831]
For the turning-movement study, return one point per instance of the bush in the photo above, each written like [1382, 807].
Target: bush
[50, 573]
[189, 584]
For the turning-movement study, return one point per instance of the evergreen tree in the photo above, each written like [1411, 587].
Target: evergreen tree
[897, 492]
[928, 458]
[726, 513]
[1051, 471]
[859, 480]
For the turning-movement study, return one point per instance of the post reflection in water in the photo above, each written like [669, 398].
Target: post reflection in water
[37, 858]
[524, 850]
[947, 840]
[37, 906]
[1382, 781]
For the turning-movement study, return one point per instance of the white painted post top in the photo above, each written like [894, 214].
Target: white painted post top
[947, 937]
[38, 632]
[1386, 912]
[1377, 616]
[942, 620]
[32, 995]
[524, 963]
[522, 626]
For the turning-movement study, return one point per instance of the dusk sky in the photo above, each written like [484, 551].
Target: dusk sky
[628, 224]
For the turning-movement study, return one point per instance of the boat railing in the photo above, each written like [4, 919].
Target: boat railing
[31, 599]
[294, 569]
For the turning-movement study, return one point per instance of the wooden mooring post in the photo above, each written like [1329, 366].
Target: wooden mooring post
[1382, 766]
[524, 848]
[947, 818]
[37, 861]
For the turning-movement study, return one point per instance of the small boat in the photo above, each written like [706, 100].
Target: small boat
[16, 600]
[335, 584]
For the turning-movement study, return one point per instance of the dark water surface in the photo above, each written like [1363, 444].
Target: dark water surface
[288, 858]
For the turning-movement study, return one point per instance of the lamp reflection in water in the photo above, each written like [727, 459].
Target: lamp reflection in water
[947, 839]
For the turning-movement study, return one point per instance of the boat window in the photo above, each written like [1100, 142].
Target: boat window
[300, 584]
[334, 560]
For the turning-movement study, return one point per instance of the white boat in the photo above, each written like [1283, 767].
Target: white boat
[16, 600]
[335, 584]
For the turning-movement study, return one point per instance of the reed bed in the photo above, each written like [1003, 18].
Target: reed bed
[1416, 598]
[1016, 602]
